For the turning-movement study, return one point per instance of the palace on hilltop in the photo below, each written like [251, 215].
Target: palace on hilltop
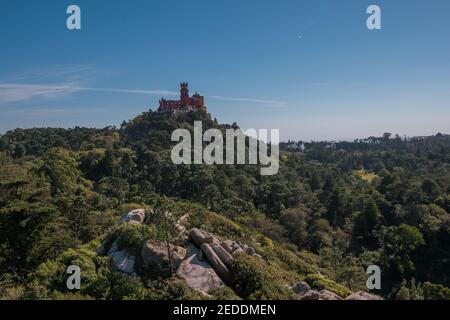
[186, 102]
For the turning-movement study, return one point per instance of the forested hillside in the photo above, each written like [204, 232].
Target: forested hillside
[333, 209]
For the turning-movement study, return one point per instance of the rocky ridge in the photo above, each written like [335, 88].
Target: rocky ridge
[204, 261]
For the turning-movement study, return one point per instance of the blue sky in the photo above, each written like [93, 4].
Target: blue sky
[310, 68]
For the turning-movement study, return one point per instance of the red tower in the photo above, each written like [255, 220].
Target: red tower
[184, 93]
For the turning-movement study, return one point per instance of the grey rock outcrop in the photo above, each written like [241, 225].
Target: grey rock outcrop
[217, 264]
[121, 259]
[301, 287]
[310, 295]
[155, 254]
[137, 215]
[361, 295]
[328, 295]
[223, 254]
[198, 274]
[219, 254]
[200, 237]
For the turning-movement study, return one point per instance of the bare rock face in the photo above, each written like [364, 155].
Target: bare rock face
[223, 254]
[328, 295]
[219, 254]
[199, 275]
[310, 295]
[121, 259]
[301, 287]
[216, 263]
[361, 295]
[200, 237]
[137, 215]
[156, 254]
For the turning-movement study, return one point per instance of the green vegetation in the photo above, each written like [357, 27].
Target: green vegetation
[253, 279]
[320, 283]
[333, 210]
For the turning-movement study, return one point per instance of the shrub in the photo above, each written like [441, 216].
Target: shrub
[216, 224]
[71, 296]
[254, 279]
[131, 236]
[318, 282]
[123, 287]
[293, 262]
[225, 293]
[169, 289]
[435, 291]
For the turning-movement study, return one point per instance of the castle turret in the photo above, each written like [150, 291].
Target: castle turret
[184, 93]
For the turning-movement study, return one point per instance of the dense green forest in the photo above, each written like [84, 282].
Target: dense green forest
[333, 209]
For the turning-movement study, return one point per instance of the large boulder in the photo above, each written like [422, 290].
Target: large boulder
[200, 237]
[328, 295]
[121, 259]
[198, 274]
[223, 254]
[310, 295]
[216, 263]
[156, 254]
[301, 287]
[137, 215]
[361, 295]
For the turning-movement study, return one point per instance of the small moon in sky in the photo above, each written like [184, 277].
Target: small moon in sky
[299, 37]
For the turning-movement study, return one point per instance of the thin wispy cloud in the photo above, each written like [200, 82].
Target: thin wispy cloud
[51, 82]
[12, 92]
[59, 82]
[16, 92]
[55, 74]
[118, 90]
[272, 103]
[46, 112]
